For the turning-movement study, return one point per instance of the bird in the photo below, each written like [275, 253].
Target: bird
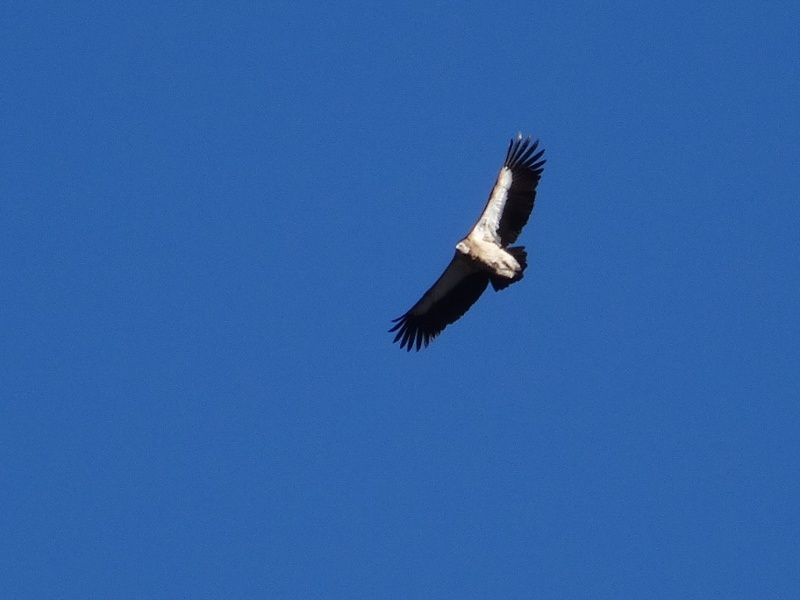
[484, 255]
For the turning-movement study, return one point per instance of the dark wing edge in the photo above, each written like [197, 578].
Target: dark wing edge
[430, 315]
[526, 166]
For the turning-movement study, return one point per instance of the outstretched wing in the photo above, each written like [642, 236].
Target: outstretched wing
[511, 201]
[461, 284]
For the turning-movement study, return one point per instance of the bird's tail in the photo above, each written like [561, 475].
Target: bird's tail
[501, 283]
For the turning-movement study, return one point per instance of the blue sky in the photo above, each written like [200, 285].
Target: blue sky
[210, 214]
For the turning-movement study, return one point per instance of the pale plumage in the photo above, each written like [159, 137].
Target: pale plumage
[483, 256]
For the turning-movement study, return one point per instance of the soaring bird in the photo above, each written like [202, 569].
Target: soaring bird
[483, 256]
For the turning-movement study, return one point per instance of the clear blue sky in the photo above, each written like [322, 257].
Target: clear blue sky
[208, 217]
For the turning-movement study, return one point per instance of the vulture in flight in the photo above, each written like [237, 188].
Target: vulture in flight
[484, 255]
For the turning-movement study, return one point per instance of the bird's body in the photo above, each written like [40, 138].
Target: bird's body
[483, 256]
[489, 256]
